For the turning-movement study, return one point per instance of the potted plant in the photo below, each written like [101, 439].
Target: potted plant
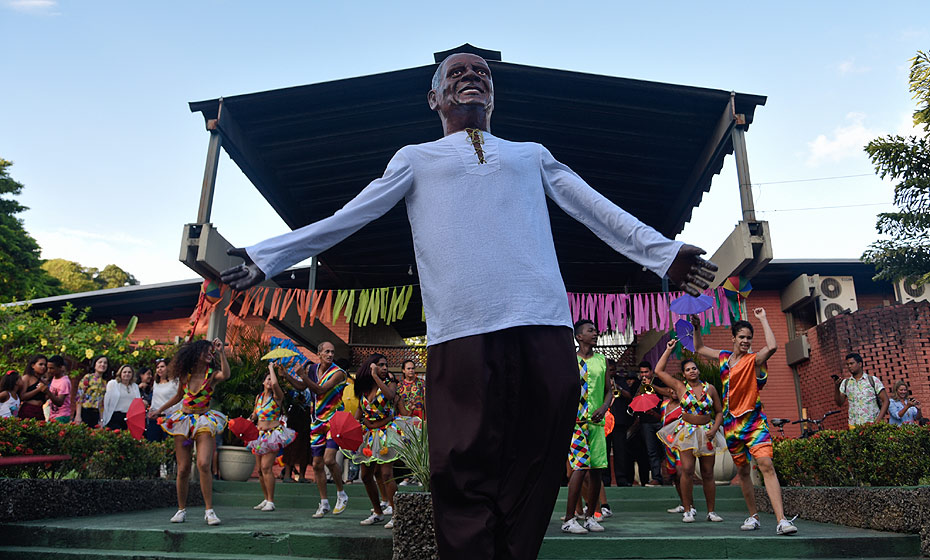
[414, 535]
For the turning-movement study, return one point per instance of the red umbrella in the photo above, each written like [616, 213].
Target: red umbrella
[243, 429]
[346, 431]
[135, 418]
[644, 402]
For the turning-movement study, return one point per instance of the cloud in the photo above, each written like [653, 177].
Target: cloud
[847, 141]
[849, 66]
[41, 7]
[145, 259]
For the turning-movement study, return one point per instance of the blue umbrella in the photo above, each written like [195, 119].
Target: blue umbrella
[689, 305]
[685, 332]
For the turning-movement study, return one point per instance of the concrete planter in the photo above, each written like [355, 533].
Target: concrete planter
[236, 463]
[414, 536]
[901, 510]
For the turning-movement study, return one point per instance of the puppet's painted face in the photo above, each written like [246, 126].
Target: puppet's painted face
[466, 80]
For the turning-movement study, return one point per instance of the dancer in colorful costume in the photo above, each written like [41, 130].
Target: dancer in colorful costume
[696, 434]
[743, 374]
[376, 392]
[500, 343]
[326, 387]
[195, 368]
[588, 452]
[272, 435]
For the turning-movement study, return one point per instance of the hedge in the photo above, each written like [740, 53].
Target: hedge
[868, 455]
[95, 453]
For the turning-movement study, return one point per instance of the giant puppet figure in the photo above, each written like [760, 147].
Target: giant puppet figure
[502, 382]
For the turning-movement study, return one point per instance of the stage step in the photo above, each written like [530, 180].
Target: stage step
[640, 528]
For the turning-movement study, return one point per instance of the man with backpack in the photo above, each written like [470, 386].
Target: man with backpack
[868, 399]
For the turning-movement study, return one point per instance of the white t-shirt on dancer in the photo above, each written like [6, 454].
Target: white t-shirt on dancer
[481, 232]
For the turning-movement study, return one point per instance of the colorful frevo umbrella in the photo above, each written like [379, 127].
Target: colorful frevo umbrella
[738, 288]
[685, 332]
[346, 431]
[279, 353]
[690, 305]
[243, 428]
[135, 418]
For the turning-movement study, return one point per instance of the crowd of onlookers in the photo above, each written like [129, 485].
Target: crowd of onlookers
[46, 390]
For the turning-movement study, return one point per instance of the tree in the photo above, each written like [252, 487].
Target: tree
[21, 275]
[906, 251]
[76, 278]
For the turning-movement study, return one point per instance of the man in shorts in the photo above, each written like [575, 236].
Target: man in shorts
[588, 452]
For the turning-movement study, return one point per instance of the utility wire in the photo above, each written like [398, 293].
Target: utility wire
[813, 179]
[826, 207]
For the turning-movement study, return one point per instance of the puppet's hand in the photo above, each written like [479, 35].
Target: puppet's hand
[691, 272]
[243, 276]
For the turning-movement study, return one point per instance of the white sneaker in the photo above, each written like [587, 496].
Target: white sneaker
[605, 512]
[372, 519]
[389, 524]
[211, 518]
[572, 526]
[260, 505]
[341, 503]
[687, 517]
[321, 511]
[404, 482]
[677, 509]
[593, 526]
[180, 516]
[388, 510]
[751, 524]
[786, 527]
[269, 506]
[712, 516]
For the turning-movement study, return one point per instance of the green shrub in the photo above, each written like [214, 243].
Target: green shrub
[25, 331]
[869, 455]
[95, 453]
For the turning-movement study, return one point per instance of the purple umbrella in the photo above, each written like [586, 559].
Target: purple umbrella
[685, 332]
[690, 305]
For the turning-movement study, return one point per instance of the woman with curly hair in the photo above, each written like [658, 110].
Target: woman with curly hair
[376, 392]
[195, 367]
[272, 434]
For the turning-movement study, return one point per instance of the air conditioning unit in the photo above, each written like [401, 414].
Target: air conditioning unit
[907, 292]
[835, 295]
[800, 291]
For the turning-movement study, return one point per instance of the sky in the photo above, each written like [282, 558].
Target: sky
[94, 115]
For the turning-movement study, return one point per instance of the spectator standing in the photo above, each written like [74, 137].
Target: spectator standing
[868, 399]
[163, 390]
[411, 392]
[145, 379]
[119, 395]
[90, 392]
[33, 388]
[59, 390]
[901, 409]
[9, 394]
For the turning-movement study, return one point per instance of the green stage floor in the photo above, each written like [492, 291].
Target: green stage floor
[640, 528]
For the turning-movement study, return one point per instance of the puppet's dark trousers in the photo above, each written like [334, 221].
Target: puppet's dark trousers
[500, 409]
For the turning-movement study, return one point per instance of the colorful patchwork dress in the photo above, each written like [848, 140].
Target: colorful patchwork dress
[589, 444]
[682, 435]
[376, 447]
[273, 440]
[413, 395]
[194, 416]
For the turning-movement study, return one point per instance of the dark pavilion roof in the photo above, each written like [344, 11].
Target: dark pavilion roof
[650, 147]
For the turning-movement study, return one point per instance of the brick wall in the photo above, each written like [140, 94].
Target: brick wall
[894, 343]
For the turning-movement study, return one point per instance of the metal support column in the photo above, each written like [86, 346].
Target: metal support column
[742, 173]
[209, 176]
